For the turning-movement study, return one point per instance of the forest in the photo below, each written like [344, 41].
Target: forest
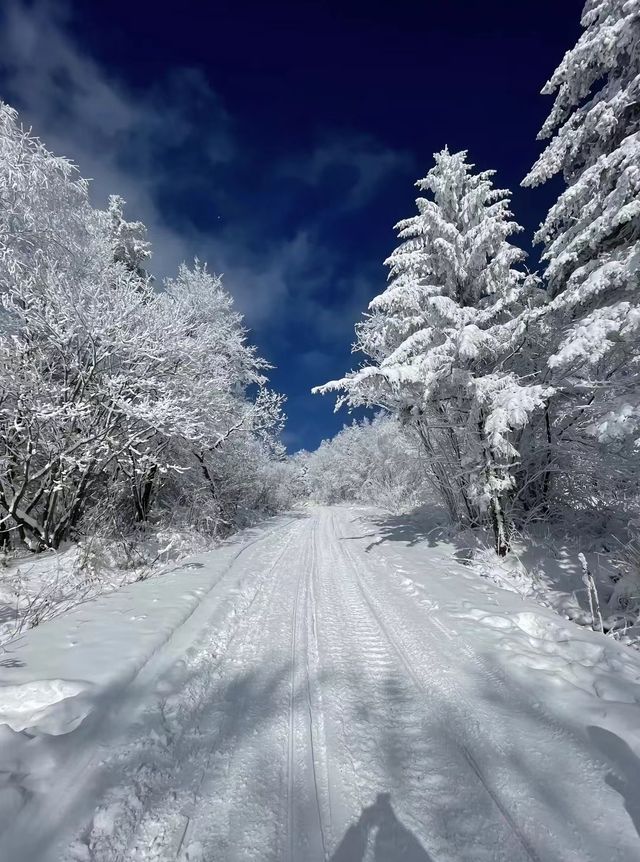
[417, 641]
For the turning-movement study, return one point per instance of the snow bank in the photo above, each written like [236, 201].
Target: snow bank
[585, 676]
[100, 644]
[52, 706]
[35, 588]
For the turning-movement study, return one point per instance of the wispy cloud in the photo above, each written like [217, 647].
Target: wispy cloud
[361, 163]
[120, 140]
[166, 147]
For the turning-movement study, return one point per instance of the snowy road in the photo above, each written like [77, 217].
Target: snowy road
[327, 701]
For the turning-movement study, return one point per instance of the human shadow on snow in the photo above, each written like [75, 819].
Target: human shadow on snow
[379, 827]
[626, 778]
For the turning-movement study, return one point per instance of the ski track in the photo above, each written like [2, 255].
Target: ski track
[395, 645]
[328, 711]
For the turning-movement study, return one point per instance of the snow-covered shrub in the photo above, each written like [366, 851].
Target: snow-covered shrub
[625, 597]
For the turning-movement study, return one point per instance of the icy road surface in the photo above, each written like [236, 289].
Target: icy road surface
[339, 691]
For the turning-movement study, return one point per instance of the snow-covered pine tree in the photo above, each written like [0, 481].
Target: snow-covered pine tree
[446, 336]
[591, 239]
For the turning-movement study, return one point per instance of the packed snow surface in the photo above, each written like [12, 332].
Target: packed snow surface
[322, 688]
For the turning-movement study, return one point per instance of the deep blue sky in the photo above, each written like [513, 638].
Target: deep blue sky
[280, 141]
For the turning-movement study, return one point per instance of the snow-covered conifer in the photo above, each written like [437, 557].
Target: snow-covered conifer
[591, 236]
[445, 339]
[128, 238]
[589, 329]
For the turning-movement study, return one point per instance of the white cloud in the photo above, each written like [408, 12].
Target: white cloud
[367, 162]
[126, 142]
[82, 113]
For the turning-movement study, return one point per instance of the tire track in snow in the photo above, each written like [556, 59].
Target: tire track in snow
[246, 649]
[548, 733]
[292, 729]
[310, 622]
[301, 689]
[280, 628]
[374, 724]
[399, 650]
[191, 699]
[185, 833]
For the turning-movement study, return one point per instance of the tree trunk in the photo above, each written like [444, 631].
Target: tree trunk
[546, 479]
[143, 495]
[501, 528]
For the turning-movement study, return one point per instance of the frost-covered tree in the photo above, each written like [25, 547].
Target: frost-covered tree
[445, 340]
[377, 462]
[113, 396]
[65, 302]
[591, 239]
[85, 375]
[215, 368]
[43, 205]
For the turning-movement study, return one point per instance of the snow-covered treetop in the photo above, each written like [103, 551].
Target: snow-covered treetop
[129, 244]
[453, 295]
[44, 203]
[605, 67]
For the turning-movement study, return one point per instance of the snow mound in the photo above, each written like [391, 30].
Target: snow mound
[50, 706]
[542, 628]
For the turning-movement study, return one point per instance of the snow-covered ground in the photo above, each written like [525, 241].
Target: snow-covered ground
[35, 588]
[324, 687]
[545, 565]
